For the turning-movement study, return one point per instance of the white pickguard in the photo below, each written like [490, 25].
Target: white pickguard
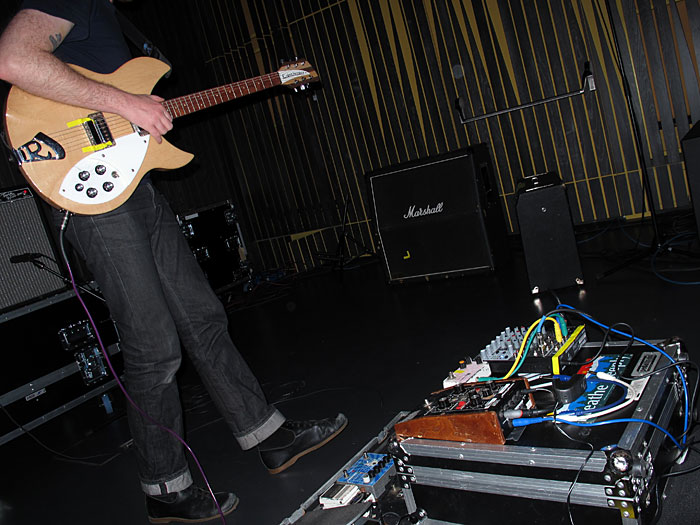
[88, 183]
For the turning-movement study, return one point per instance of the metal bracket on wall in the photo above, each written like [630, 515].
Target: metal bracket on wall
[587, 84]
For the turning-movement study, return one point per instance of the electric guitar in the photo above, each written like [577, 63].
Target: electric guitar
[90, 162]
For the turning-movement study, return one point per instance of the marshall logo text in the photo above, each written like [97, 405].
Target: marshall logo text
[413, 212]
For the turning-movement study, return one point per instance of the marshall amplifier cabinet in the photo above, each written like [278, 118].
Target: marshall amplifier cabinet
[439, 216]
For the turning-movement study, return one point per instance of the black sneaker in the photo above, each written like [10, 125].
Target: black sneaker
[296, 438]
[192, 505]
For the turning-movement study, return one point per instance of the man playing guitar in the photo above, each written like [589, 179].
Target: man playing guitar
[155, 290]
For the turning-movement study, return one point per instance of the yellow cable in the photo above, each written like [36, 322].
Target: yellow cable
[557, 329]
[522, 349]
[557, 334]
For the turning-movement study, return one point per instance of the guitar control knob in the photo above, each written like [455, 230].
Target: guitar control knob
[100, 169]
[84, 175]
[92, 193]
[79, 187]
[108, 186]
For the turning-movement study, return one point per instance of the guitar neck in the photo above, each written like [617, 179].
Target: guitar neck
[187, 104]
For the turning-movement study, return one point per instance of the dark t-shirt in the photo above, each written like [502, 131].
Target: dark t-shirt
[96, 41]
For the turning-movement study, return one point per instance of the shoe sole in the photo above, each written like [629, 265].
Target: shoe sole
[198, 520]
[293, 460]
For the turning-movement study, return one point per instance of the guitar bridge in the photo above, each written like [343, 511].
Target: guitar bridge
[41, 147]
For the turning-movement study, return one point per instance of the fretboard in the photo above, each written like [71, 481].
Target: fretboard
[187, 104]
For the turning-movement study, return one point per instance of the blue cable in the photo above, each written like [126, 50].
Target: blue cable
[685, 386]
[524, 421]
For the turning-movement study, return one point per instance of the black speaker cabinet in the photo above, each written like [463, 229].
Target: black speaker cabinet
[691, 152]
[546, 228]
[214, 236]
[24, 237]
[437, 217]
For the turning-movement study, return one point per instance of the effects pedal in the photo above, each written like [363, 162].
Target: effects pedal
[370, 473]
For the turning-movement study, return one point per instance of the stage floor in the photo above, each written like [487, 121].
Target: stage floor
[335, 341]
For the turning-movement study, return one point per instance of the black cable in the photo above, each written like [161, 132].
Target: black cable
[323, 390]
[578, 474]
[60, 455]
[670, 474]
[622, 352]
[608, 331]
[556, 297]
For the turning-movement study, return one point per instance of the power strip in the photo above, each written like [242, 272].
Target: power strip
[338, 496]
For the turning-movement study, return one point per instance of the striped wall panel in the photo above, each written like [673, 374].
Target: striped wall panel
[391, 72]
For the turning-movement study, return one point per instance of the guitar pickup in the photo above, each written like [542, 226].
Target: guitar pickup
[96, 130]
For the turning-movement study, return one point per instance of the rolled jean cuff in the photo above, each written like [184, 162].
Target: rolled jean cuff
[177, 484]
[259, 434]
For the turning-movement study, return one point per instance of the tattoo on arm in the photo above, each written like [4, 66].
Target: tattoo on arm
[55, 40]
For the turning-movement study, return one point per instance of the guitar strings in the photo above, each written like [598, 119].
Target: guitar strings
[76, 138]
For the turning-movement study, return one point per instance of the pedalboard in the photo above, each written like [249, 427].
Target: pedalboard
[615, 478]
[468, 412]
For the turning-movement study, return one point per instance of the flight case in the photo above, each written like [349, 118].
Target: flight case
[51, 361]
[607, 473]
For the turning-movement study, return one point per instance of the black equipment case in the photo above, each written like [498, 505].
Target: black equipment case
[539, 475]
[51, 361]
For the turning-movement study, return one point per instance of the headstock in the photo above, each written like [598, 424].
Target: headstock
[297, 74]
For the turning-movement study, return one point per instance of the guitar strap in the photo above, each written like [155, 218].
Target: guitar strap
[140, 41]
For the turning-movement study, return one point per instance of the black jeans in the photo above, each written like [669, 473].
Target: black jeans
[159, 298]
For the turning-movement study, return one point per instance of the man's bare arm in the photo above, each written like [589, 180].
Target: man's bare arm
[27, 61]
